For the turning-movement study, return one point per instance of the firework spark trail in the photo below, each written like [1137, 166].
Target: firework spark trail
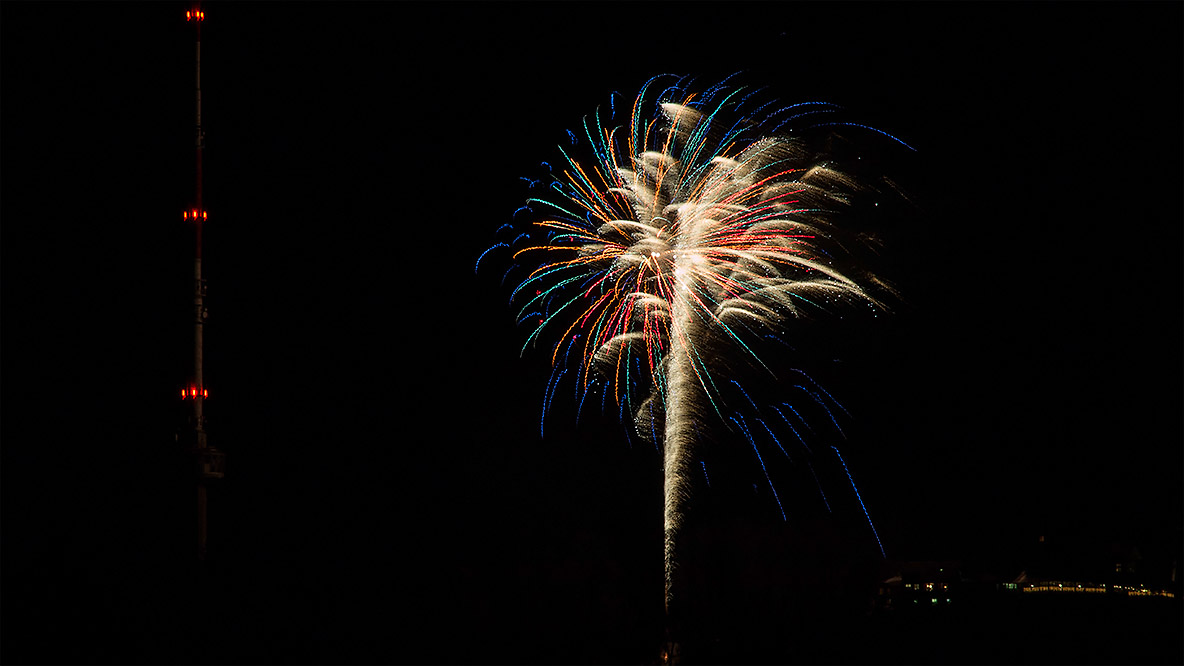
[861, 504]
[684, 235]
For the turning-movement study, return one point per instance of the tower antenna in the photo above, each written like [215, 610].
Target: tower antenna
[210, 462]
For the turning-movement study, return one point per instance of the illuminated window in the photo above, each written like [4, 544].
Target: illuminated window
[929, 587]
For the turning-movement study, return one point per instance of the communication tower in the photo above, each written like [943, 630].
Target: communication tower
[209, 462]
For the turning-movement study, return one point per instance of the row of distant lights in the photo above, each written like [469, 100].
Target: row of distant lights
[1060, 587]
[194, 213]
[1128, 590]
[197, 15]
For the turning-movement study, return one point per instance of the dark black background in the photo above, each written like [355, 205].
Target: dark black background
[388, 495]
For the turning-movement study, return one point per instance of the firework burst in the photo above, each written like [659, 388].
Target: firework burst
[695, 229]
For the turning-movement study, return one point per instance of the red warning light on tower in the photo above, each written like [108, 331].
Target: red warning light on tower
[194, 392]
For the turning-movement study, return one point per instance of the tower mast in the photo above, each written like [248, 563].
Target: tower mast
[211, 463]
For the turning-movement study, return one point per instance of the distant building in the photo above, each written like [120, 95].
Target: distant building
[922, 584]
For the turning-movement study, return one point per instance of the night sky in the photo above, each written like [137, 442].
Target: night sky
[388, 496]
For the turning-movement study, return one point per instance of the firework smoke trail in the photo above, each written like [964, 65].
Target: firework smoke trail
[685, 233]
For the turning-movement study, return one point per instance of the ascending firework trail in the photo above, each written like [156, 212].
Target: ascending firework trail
[662, 260]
